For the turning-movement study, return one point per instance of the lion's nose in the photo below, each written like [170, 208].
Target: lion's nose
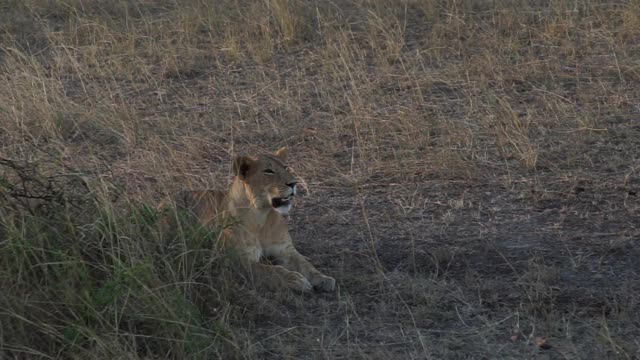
[292, 184]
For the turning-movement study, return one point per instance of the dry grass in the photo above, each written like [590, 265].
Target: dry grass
[472, 173]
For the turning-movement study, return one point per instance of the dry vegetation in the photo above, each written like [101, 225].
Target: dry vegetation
[472, 173]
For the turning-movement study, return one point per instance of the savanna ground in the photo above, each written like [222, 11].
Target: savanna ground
[471, 172]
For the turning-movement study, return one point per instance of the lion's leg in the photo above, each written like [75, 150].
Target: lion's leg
[291, 259]
[273, 276]
[278, 277]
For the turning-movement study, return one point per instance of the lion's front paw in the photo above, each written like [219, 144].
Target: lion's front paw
[298, 282]
[323, 282]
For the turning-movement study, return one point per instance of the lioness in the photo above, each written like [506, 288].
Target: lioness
[257, 203]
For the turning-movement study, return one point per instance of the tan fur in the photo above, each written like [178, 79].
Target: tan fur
[253, 228]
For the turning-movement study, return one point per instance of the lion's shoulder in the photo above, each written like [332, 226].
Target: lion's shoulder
[205, 204]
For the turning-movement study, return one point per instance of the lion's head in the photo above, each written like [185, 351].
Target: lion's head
[268, 179]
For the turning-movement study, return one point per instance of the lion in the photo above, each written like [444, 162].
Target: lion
[253, 215]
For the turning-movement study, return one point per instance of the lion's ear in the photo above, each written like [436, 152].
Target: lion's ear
[242, 165]
[282, 153]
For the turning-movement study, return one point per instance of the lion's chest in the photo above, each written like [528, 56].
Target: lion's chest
[257, 240]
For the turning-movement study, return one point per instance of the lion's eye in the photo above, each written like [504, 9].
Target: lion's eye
[269, 172]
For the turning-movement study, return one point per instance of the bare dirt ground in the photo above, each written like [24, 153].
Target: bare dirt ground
[471, 172]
